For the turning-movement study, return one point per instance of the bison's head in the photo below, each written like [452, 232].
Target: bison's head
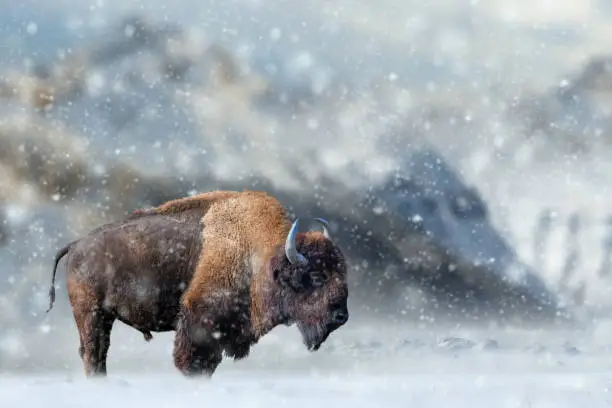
[311, 273]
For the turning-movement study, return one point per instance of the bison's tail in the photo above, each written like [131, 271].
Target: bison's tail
[60, 254]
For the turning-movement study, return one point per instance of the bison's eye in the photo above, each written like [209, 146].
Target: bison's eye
[318, 278]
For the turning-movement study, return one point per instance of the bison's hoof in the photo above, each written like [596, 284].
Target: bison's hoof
[197, 372]
[198, 367]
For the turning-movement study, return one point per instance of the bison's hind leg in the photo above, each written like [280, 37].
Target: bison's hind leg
[95, 328]
[103, 329]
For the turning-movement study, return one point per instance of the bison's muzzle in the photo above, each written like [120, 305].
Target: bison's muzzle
[315, 335]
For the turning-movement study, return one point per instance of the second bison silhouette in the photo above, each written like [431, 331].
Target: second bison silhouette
[222, 269]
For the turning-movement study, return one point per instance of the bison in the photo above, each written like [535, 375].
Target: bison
[221, 269]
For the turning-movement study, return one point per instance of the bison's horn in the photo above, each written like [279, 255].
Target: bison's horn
[325, 225]
[290, 250]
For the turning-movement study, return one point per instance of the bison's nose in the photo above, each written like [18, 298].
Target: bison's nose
[339, 316]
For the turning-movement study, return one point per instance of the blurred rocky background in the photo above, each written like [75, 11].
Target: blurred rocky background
[460, 150]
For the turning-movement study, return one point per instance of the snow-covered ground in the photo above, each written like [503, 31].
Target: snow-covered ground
[362, 365]
[262, 389]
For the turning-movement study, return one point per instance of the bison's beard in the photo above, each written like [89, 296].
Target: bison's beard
[314, 335]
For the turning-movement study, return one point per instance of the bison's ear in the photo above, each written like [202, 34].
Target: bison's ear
[275, 267]
[294, 277]
[298, 279]
[274, 270]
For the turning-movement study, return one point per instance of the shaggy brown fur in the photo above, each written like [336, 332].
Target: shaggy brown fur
[212, 267]
[244, 284]
[201, 201]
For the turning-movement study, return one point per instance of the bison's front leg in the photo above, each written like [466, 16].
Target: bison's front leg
[206, 306]
[196, 350]
[238, 349]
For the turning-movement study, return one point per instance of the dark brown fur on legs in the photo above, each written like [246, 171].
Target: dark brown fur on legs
[209, 327]
[239, 347]
[196, 350]
[94, 326]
